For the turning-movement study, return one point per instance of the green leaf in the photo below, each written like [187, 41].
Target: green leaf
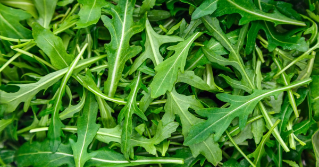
[167, 71]
[46, 10]
[146, 6]
[51, 45]
[87, 129]
[315, 143]
[178, 104]
[275, 39]
[71, 110]
[163, 131]
[260, 150]
[190, 78]
[4, 123]
[291, 163]
[28, 91]
[249, 12]
[152, 45]
[121, 28]
[127, 114]
[315, 96]
[90, 12]
[206, 8]
[220, 118]
[28, 5]
[38, 154]
[9, 21]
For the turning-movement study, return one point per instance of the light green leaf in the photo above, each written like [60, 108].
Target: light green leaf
[51, 45]
[291, 163]
[27, 91]
[190, 78]
[71, 110]
[146, 6]
[121, 28]
[4, 123]
[178, 104]
[46, 10]
[56, 125]
[90, 12]
[249, 12]
[152, 45]
[9, 21]
[260, 150]
[28, 6]
[38, 155]
[87, 129]
[240, 106]
[167, 71]
[127, 114]
[206, 8]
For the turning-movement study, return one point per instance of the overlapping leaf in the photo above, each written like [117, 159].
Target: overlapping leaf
[90, 12]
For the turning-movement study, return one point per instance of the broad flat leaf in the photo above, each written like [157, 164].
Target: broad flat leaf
[38, 154]
[258, 127]
[206, 8]
[249, 12]
[87, 129]
[275, 39]
[121, 28]
[163, 131]
[56, 125]
[167, 71]
[260, 150]
[46, 10]
[51, 45]
[152, 45]
[28, 91]
[178, 104]
[4, 123]
[220, 118]
[126, 114]
[9, 22]
[315, 143]
[28, 6]
[90, 12]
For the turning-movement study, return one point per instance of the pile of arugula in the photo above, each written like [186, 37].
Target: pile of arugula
[159, 83]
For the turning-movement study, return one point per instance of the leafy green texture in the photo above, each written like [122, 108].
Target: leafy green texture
[152, 45]
[249, 12]
[176, 106]
[9, 21]
[121, 28]
[206, 8]
[126, 114]
[90, 12]
[166, 72]
[240, 106]
[168, 83]
[87, 129]
[52, 46]
[46, 10]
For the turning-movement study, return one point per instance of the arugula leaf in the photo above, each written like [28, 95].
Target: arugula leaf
[9, 21]
[4, 123]
[46, 10]
[206, 8]
[56, 125]
[152, 45]
[52, 46]
[240, 106]
[90, 12]
[249, 12]
[127, 113]
[176, 106]
[316, 146]
[87, 129]
[27, 91]
[167, 71]
[121, 28]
